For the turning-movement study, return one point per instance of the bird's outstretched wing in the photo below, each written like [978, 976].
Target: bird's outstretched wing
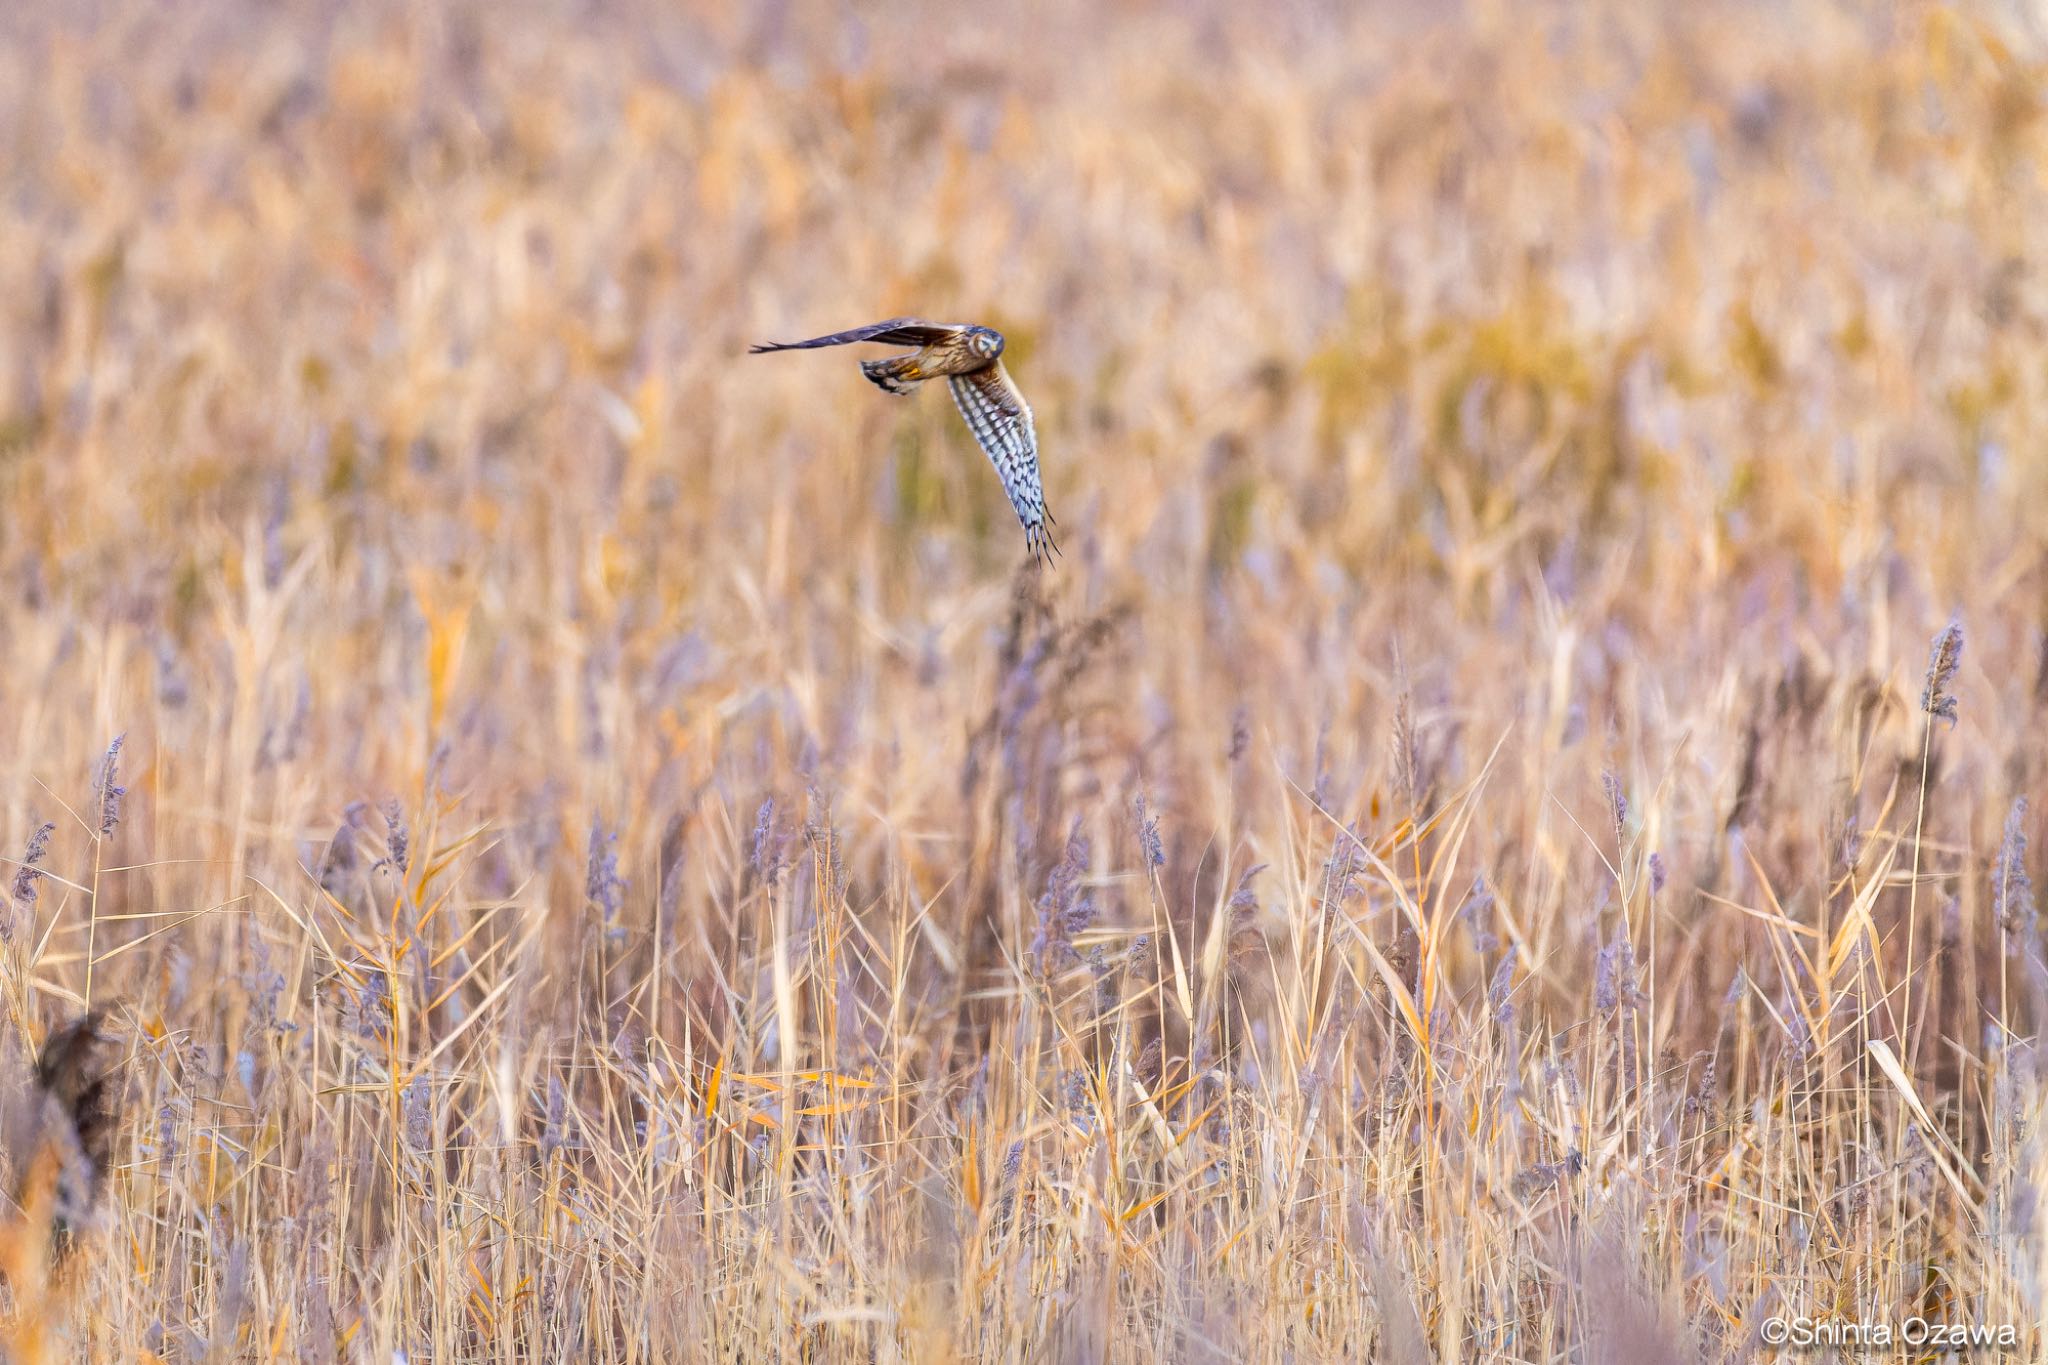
[1001, 421]
[894, 332]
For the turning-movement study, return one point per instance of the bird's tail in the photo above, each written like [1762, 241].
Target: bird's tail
[898, 374]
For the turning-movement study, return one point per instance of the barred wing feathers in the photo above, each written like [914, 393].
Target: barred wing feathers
[1001, 422]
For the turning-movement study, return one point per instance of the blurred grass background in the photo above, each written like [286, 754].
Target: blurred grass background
[619, 862]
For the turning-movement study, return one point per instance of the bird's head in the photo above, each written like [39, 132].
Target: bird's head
[985, 342]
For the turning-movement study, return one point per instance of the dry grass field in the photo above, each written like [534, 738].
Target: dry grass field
[596, 847]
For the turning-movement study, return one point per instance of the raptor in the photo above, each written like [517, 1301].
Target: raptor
[970, 359]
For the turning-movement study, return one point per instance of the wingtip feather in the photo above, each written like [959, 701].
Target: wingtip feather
[1044, 549]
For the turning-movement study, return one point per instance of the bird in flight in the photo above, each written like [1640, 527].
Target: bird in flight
[969, 359]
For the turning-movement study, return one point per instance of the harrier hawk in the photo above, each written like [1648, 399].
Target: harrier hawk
[969, 359]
